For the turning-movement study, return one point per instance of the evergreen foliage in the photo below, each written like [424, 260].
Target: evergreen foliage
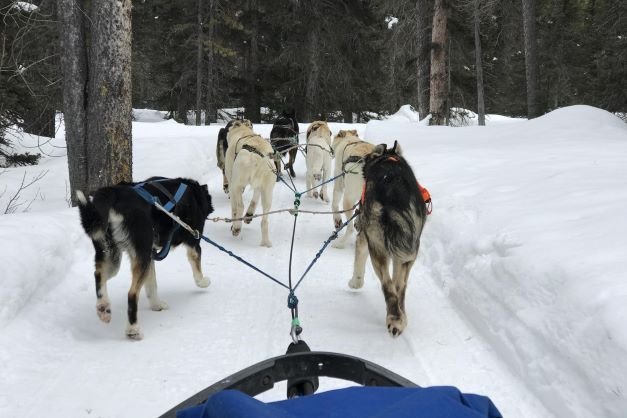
[326, 59]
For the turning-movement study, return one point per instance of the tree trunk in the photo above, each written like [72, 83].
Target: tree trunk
[347, 115]
[109, 111]
[438, 64]
[252, 110]
[531, 57]
[479, 67]
[199, 66]
[211, 116]
[313, 76]
[74, 68]
[423, 47]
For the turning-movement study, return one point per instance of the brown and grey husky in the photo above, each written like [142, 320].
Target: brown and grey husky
[389, 225]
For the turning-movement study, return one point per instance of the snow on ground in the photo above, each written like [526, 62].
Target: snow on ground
[519, 291]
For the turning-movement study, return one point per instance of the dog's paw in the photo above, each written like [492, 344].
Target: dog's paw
[104, 312]
[248, 218]
[339, 243]
[266, 243]
[396, 325]
[337, 222]
[226, 188]
[203, 282]
[235, 231]
[133, 332]
[159, 305]
[324, 197]
[316, 195]
[356, 282]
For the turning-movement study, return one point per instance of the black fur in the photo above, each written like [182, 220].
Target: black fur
[222, 144]
[391, 182]
[390, 224]
[117, 219]
[285, 127]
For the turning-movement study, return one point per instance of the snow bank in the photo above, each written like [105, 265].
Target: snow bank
[518, 243]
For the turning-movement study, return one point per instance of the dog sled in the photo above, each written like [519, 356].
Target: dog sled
[382, 393]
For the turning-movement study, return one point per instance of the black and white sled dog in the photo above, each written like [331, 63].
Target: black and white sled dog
[118, 219]
[221, 147]
[319, 159]
[350, 152]
[284, 139]
[391, 219]
[249, 161]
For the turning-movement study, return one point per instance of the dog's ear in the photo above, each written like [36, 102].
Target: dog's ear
[396, 149]
[379, 150]
[354, 132]
[248, 123]
[341, 133]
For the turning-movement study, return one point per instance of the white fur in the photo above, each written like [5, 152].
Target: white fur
[347, 188]
[319, 160]
[244, 168]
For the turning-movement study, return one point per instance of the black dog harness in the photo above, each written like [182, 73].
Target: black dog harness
[353, 158]
[168, 206]
[250, 148]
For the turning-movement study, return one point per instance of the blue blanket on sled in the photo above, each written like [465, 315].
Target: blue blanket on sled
[351, 402]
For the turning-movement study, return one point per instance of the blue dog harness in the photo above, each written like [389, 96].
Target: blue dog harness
[168, 206]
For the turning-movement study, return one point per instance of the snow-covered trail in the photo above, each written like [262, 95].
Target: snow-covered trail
[59, 360]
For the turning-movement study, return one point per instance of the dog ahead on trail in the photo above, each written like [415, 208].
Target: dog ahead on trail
[118, 219]
[284, 139]
[319, 158]
[249, 160]
[389, 226]
[349, 157]
[221, 147]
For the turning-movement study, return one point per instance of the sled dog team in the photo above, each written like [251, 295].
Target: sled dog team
[392, 210]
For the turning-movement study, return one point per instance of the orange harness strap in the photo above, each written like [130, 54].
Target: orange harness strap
[426, 196]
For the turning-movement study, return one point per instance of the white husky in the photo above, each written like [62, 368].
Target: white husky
[249, 160]
[319, 158]
[349, 158]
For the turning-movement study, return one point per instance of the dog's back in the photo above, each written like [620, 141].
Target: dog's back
[120, 209]
[393, 211]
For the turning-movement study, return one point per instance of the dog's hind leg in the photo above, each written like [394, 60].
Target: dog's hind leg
[266, 204]
[395, 318]
[341, 242]
[237, 207]
[359, 267]
[107, 262]
[400, 274]
[225, 183]
[252, 206]
[194, 256]
[326, 175]
[140, 269]
[156, 304]
[338, 191]
[290, 165]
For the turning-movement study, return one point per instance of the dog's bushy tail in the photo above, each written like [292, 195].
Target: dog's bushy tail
[95, 220]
